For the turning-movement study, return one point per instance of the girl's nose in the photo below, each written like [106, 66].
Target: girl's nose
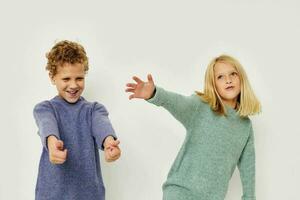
[228, 80]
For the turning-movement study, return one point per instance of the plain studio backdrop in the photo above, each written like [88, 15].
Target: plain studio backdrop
[172, 40]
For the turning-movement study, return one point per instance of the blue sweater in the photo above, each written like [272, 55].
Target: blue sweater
[82, 127]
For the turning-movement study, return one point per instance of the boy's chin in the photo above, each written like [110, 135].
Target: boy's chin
[71, 100]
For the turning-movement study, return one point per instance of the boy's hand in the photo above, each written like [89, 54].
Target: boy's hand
[57, 153]
[111, 149]
[141, 89]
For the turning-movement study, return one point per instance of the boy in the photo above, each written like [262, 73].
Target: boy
[72, 130]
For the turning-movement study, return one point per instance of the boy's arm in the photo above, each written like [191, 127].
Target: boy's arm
[46, 122]
[246, 167]
[101, 126]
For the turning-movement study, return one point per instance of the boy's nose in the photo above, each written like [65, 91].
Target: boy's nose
[73, 84]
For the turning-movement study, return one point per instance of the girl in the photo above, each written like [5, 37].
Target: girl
[219, 133]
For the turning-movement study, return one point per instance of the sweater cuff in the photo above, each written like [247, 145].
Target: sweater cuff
[44, 139]
[102, 139]
[155, 99]
[248, 198]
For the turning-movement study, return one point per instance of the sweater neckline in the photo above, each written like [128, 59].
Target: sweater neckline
[60, 99]
[231, 111]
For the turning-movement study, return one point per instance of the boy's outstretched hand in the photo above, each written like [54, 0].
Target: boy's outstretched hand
[141, 89]
[57, 153]
[111, 149]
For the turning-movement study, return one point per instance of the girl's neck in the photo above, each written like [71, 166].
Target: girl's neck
[232, 104]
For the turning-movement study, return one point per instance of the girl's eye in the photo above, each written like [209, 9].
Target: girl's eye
[234, 74]
[219, 77]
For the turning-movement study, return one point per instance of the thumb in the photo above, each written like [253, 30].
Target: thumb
[112, 144]
[150, 79]
[115, 142]
[59, 144]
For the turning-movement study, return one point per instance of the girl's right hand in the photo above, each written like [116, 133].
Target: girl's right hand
[141, 89]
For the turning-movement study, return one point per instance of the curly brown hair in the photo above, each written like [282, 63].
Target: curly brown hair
[66, 52]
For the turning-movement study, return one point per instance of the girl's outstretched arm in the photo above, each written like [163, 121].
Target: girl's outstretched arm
[181, 107]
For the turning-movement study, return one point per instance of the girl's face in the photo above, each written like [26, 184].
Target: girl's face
[227, 82]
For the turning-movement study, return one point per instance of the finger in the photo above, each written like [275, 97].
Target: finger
[108, 151]
[137, 79]
[58, 161]
[132, 85]
[131, 96]
[129, 90]
[60, 154]
[115, 143]
[114, 152]
[107, 148]
[115, 155]
[59, 144]
[110, 158]
[150, 79]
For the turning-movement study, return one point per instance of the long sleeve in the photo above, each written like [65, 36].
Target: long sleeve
[181, 107]
[246, 167]
[45, 119]
[101, 126]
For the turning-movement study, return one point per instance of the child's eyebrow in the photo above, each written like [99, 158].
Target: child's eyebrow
[222, 73]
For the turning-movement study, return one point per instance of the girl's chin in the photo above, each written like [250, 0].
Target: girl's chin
[231, 97]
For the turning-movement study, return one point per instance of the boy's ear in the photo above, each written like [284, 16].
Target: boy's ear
[51, 78]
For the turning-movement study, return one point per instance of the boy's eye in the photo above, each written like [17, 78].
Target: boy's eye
[65, 79]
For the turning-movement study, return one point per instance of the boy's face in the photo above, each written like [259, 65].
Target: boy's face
[69, 81]
[227, 82]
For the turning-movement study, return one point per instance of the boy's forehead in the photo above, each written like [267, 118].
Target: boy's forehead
[67, 64]
[69, 67]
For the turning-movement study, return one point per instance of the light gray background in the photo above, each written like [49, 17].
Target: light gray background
[173, 40]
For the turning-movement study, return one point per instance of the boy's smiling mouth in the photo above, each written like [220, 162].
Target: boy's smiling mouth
[73, 93]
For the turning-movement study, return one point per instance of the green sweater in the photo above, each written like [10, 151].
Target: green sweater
[214, 145]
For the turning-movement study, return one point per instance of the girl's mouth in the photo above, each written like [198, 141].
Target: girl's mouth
[229, 87]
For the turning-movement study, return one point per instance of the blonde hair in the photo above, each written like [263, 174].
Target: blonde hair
[248, 104]
[66, 52]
